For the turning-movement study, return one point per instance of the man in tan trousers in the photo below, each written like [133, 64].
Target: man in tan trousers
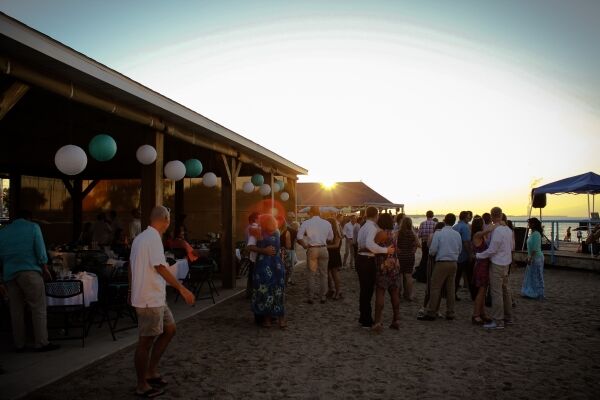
[313, 236]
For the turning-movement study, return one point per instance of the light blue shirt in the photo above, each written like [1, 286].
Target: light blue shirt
[465, 234]
[446, 245]
[22, 248]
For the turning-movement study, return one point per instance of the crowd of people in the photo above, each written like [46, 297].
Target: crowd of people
[475, 251]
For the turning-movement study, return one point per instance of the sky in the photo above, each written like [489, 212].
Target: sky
[435, 104]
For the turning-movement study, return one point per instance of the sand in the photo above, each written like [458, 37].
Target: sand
[552, 352]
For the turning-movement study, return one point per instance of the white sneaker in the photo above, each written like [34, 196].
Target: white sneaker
[493, 325]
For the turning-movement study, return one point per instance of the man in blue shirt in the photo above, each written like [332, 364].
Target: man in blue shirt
[446, 246]
[464, 268]
[23, 254]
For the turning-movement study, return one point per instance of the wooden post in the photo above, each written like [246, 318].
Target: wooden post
[228, 221]
[77, 201]
[179, 207]
[293, 200]
[152, 178]
[14, 195]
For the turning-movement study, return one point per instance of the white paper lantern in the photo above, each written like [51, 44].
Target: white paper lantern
[248, 187]
[265, 189]
[209, 179]
[70, 159]
[175, 170]
[146, 154]
[285, 196]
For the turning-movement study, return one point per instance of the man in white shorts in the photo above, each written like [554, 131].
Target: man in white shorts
[149, 275]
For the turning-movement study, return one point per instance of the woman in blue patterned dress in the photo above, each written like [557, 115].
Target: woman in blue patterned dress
[268, 279]
[533, 281]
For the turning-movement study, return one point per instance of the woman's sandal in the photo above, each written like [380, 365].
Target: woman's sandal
[377, 328]
[338, 295]
[477, 320]
[395, 325]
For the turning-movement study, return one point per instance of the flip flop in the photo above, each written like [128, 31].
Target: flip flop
[150, 393]
[157, 381]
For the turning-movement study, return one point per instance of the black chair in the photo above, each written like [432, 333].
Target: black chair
[113, 301]
[201, 272]
[73, 316]
[179, 253]
[92, 261]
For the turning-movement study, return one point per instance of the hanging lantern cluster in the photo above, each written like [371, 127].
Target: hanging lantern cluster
[72, 160]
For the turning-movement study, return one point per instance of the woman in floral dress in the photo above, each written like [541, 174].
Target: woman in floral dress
[268, 279]
[388, 274]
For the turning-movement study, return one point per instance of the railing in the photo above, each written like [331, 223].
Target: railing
[556, 233]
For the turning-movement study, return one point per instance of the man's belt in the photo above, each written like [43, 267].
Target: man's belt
[365, 253]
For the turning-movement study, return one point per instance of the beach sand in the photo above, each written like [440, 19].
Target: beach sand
[552, 352]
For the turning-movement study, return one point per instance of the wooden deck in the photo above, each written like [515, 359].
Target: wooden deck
[566, 256]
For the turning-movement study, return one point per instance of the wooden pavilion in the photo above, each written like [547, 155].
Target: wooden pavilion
[52, 95]
[354, 196]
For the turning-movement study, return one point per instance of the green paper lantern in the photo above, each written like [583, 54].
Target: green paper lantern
[257, 180]
[279, 185]
[102, 147]
[193, 168]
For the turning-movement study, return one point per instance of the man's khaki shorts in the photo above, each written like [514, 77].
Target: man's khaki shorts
[151, 320]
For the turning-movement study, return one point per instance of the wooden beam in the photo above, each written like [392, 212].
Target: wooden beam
[89, 188]
[226, 164]
[237, 170]
[152, 178]
[228, 223]
[68, 186]
[11, 96]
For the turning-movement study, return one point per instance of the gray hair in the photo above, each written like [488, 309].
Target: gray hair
[159, 213]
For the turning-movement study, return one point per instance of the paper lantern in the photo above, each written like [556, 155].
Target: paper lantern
[175, 170]
[209, 179]
[102, 147]
[278, 185]
[193, 168]
[248, 187]
[265, 189]
[70, 159]
[146, 154]
[257, 179]
[284, 196]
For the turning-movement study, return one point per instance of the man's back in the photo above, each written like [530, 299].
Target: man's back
[22, 248]
[147, 286]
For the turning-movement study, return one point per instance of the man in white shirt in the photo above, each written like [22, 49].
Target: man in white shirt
[366, 266]
[313, 236]
[148, 277]
[499, 252]
[349, 235]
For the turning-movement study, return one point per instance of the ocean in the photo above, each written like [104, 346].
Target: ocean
[521, 221]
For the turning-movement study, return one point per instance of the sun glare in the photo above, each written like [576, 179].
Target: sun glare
[328, 185]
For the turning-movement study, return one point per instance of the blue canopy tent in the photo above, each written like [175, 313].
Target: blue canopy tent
[588, 183]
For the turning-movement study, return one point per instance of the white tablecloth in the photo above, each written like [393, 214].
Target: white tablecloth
[180, 269]
[90, 292]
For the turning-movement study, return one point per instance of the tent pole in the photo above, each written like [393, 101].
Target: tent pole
[590, 246]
